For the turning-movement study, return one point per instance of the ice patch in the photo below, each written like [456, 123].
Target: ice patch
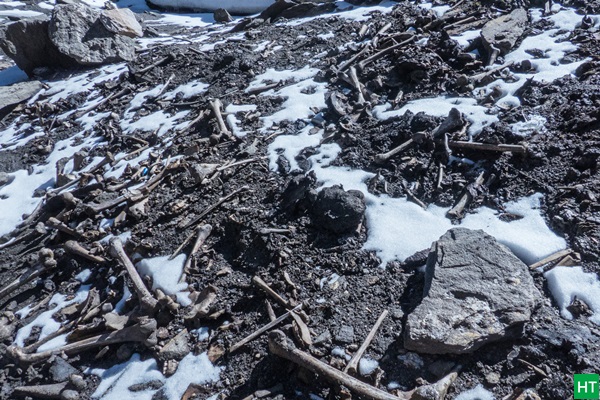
[566, 283]
[117, 379]
[477, 393]
[535, 124]
[272, 75]
[187, 90]
[366, 366]
[232, 120]
[45, 320]
[165, 276]
[440, 107]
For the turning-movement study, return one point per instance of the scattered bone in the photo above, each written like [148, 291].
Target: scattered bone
[202, 231]
[353, 364]
[141, 332]
[362, 64]
[466, 198]
[216, 105]
[262, 330]
[77, 249]
[147, 301]
[281, 346]
[267, 289]
[203, 302]
[512, 148]
[29, 275]
[61, 226]
[51, 391]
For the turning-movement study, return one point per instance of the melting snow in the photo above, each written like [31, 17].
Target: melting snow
[165, 275]
[477, 393]
[566, 283]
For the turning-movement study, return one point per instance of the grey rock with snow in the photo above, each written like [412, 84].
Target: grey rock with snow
[476, 292]
[17, 93]
[121, 21]
[504, 32]
[77, 32]
[27, 43]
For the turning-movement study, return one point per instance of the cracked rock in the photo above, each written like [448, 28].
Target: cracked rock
[476, 292]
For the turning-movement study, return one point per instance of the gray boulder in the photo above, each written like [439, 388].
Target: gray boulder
[476, 292]
[77, 32]
[27, 43]
[121, 21]
[503, 32]
[17, 93]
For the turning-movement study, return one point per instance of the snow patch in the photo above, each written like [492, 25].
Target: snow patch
[165, 276]
[566, 283]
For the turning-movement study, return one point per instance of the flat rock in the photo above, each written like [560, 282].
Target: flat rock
[121, 21]
[221, 15]
[338, 210]
[77, 32]
[17, 93]
[176, 348]
[476, 292]
[27, 43]
[504, 31]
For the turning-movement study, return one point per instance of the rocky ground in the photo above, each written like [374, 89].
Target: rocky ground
[265, 222]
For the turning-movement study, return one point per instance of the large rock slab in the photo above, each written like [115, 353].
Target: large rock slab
[77, 31]
[17, 93]
[27, 43]
[503, 32]
[476, 292]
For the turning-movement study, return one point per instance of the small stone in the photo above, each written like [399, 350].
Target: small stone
[61, 370]
[176, 348]
[493, 378]
[345, 334]
[78, 381]
[222, 15]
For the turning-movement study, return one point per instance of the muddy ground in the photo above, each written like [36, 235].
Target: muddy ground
[561, 163]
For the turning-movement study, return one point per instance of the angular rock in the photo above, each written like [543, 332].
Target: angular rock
[121, 21]
[27, 43]
[234, 7]
[338, 210]
[176, 348]
[221, 15]
[17, 93]
[503, 32]
[476, 292]
[77, 32]
[61, 370]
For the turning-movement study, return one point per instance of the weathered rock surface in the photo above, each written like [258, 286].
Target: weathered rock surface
[17, 93]
[27, 43]
[338, 210]
[121, 21]
[77, 32]
[503, 32]
[476, 292]
[221, 15]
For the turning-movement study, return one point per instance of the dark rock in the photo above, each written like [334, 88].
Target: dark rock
[221, 15]
[345, 335]
[338, 210]
[476, 292]
[77, 32]
[503, 32]
[27, 43]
